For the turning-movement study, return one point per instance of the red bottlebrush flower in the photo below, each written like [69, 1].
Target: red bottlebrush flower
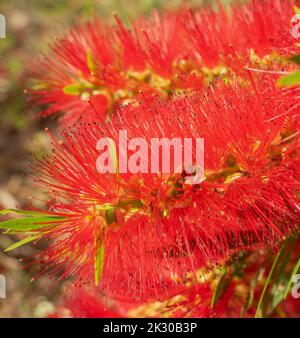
[260, 26]
[69, 78]
[136, 231]
[161, 55]
[266, 26]
[84, 70]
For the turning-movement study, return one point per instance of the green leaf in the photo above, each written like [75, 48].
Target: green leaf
[295, 59]
[221, 288]
[289, 80]
[28, 224]
[73, 89]
[90, 61]
[259, 313]
[99, 261]
[237, 265]
[22, 242]
[23, 212]
[280, 279]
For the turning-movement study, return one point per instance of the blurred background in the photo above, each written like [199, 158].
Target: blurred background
[31, 25]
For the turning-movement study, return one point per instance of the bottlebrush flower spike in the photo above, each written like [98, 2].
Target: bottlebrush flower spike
[161, 55]
[69, 77]
[85, 72]
[262, 27]
[134, 233]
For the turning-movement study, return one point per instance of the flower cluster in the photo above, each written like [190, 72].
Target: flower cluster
[104, 66]
[154, 237]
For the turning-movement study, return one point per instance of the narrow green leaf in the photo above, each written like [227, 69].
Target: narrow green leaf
[220, 289]
[289, 80]
[237, 265]
[259, 313]
[29, 223]
[294, 271]
[90, 61]
[290, 246]
[23, 212]
[99, 262]
[21, 242]
[73, 89]
[280, 279]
